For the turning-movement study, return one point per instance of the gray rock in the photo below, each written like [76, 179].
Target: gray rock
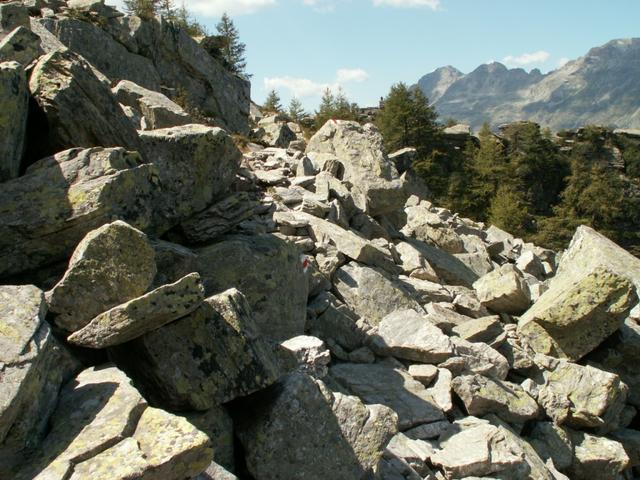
[596, 458]
[449, 269]
[414, 264]
[403, 158]
[309, 355]
[276, 133]
[441, 390]
[413, 451]
[300, 429]
[444, 316]
[262, 267]
[34, 367]
[553, 442]
[630, 440]
[13, 15]
[504, 290]
[85, 189]
[173, 262]
[428, 431]
[374, 178]
[485, 329]
[156, 109]
[529, 262]
[111, 265]
[425, 291]
[482, 395]
[395, 388]
[480, 358]
[371, 294]
[21, 45]
[187, 363]
[442, 237]
[409, 335]
[80, 109]
[14, 98]
[216, 472]
[218, 425]
[478, 262]
[141, 315]
[339, 324]
[424, 373]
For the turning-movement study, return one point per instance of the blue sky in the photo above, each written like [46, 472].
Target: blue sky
[300, 46]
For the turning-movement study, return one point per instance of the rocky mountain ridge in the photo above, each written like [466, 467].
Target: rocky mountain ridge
[172, 307]
[594, 89]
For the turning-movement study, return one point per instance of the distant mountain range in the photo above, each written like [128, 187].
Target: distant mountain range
[603, 88]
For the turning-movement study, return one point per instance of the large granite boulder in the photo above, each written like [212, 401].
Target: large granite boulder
[570, 321]
[596, 458]
[21, 45]
[111, 265]
[206, 358]
[154, 52]
[299, 429]
[34, 367]
[14, 104]
[142, 314]
[45, 213]
[268, 271]
[79, 107]
[374, 177]
[504, 290]
[449, 269]
[393, 387]
[275, 132]
[370, 293]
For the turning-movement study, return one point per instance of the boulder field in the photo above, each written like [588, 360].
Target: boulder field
[173, 307]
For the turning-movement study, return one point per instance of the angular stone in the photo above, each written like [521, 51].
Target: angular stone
[123, 460]
[339, 324]
[482, 395]
[444, 316]
[172, 446]
[484, 329]
[414, 264]
[216, 472]
[207, 358]
[553, 442]
[34, 366]
[504, 290]
[371, 294]
[173, 261]
[12, 15]
[630, 440]
[84, 190]
[158, 111]
[582, 396]
[480, 358]
[218, 425]
[276, 133]
[409, 335]
[80, 109]
[440, 391]
[425, 291]
[478, 262]
[423, 373]
[197, 164]
[449, 269]
[14, 101]
[359, 148]
[415, 452]
[309, 355]
[529, 262]
[384, 384]
[268, 271]
[299, 429]
[21, 45]
[442, 237]
[141, 315]
[571, 322]
[596, 458]
[428, 431]
[111, 265]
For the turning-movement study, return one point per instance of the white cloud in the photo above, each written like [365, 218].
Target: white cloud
[563, 61]
[215, 8]
[321, 6]
[356, 75]
[299, 87]
[432, 4]
[527, 58]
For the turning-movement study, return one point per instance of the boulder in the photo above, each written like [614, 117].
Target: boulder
[424, 373]
[12, 15]
[111, 265]
[449, 269]
[308, 355]
[196, 164]
[581, 396]
[299, 429]
[440, 391]
[80, 109]
[403, 158]
[478, 262]
[359, 148]
[442, 237]
[630, 440]
[155, 108]
[480, 358]
[596, 458]
[395, 388]
[206, 358]
[218, 425]
[409, 335]
[173, 262]
[504, 290]
[21, 45]
[484, 329]
[482, 395]
[276, 132]
[414, 264]
[268, 271]
[337, 323]
[85, 188]
[142, 314]
[371, 294]
[553, 442]
[414, 452]
[34, 367]
[14, 98]
[424, 291]
[570, 321]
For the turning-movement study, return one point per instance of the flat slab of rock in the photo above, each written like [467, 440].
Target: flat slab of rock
[571, 321]
[395, 388]
[484, 329]
[482, 395]
[449, 269]
[597, 458]
[187, 365]
[299, 429]
[14, 98]
[480, 358]
[268, 271]
[504, 290]
[141, 315]
[409, 335]
[111, 265]
[371, 294]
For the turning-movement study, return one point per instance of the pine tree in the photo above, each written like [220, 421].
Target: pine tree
[145, 9]
[296, 110]
[232, 48]
[272, 103]
[327, 108]
[509, 211]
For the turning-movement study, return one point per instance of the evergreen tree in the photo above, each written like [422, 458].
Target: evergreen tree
[296, 110]
[326, 109]
[509, 211]
[232, 48]
[272, 103]
[145, 9]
